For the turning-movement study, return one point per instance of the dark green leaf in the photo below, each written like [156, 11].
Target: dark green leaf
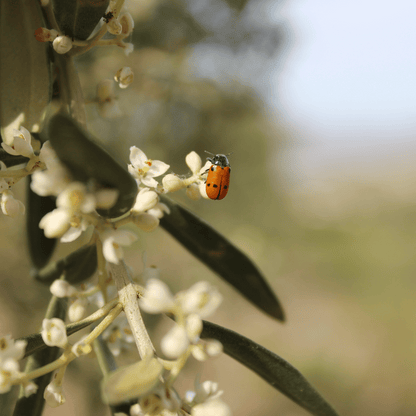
[77, 266]
[272, 368]
[40, 247]
[10, 160]
[78, 18]
[25, 79]
[209, 246]
[87, 161]
[33, 405]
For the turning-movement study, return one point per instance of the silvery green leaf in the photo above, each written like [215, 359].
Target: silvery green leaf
[25, 81]
[78, 18]
[272, 368]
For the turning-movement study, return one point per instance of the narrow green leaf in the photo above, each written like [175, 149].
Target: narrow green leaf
[40, 247]
[216, 252]
[78, 18]
[87, 161]
[272, 368]
[25, 80]
[33, 405]
[77, 266]
[10, 160]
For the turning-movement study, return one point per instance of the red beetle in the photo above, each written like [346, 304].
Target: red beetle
[218, 180]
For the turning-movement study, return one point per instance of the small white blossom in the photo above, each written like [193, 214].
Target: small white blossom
[53, 395]
[77, 309]
[128, 48]
[206, 349]
[143, 169]
[114, 26]
[81, 348]
[127, 24]
[206, 390]
[54, 333]
[62, 289]
[172, 183]
[201, 299]
[56, 223]
[175, 342]
[9, 370]
[157, 297]
[159, 210]
[193, 326]
[194, 162]
[76, 198]
[62, 44]
[10, 206]
[145, 200]
[22, 144]
[10, 349]
[124, 77]
[146, 222]
[112, 242]
[193, 192]
[106, 198]
[215, 407]
[30, 388]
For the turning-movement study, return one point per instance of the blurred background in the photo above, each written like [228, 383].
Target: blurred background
[317, 102]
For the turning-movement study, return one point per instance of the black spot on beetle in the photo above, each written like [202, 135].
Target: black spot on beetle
[215, 186]
[225, 186]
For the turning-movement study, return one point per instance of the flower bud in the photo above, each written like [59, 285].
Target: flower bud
[77, 309]
[54, 332]
[175, 342]
[62, 289]
[114, 27]
[172, 183]
[53, 395]
[62, 44]
[127, 24]
[10, 206]
[124, 77]
[194, 162]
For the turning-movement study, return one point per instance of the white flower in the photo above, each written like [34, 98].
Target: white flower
[157, 297]
[128, 48]
[146, 199]
[30, 388]
[78, 225]
[193, 192]
[54, 333]
[10, 349]
[106, 198]
[62, 289]
[21, 144]
[194, 162]
[10, 206]
[206, 349]
[112, 240]
[56, 223]
[146, 222]
[76, 198]
[9, 370]
[206, 390]
[159, 210]
[194, 326]
[77, 309]
[127, 24]
[124, 77]
[201, 299]
[172, 183]
[62, 44]
[114, 27]
[53, 395]
[215, 407]
[81, 348]
[143, 169]
[175, 342]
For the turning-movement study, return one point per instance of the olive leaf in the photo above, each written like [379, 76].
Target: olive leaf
[78, 18]
[77, 267]
[216, 252]
[272, 368]
[25, 79]
[89, 162]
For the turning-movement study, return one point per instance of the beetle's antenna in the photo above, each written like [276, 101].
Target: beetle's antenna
[229, 154]
[206, 151]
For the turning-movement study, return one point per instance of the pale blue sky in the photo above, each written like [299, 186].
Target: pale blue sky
[351, 69]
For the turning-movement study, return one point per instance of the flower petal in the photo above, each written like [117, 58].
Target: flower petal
[149, 181]
[158, 168]
[137, 157]
[9, 149]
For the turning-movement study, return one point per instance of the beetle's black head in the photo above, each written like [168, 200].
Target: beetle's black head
[219, 160]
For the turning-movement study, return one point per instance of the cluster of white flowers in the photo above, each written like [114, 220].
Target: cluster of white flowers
[21, 146]
[10, 352]
[195, 184]
[188, 307]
